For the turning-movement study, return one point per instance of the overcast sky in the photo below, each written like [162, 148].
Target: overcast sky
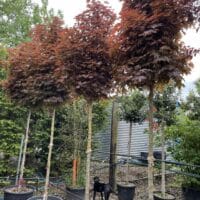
[71, 8]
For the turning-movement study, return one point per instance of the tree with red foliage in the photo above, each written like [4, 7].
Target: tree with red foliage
[36, 79]
[148, 50]
[84, 48]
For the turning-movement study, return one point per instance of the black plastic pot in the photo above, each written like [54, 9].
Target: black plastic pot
[156, 154]
[8, 195]
[191, 193]
[126, 191]
[157, 196]
[41, 198]
[75, 193]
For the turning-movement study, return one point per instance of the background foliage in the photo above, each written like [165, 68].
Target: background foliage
[185, 146]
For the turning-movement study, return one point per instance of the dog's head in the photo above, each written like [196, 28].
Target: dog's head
[96, 179]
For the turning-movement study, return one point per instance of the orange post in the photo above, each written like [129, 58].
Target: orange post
[74, 175]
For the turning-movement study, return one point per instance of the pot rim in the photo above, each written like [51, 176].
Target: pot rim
[124, 184]
[76, 188]
[172, 196]
[59, 198]
[18, 193]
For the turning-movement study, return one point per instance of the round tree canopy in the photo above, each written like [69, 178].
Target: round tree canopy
[85, 50]
[36, 79]
[148, 41]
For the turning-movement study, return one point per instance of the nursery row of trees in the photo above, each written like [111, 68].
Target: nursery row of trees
[95, 58]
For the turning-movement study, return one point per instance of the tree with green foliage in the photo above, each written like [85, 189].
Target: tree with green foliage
[192, 103]
[17, 17]
[13, 116]
[133, 111]
[184, 138]
[148, 51]
[73, 138]
[165, 102]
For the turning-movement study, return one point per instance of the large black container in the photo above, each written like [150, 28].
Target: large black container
[157, 196]
[191, 193]
[41, 198]
[8, 195]
[75, 193]
[156, 155]
[126, 191]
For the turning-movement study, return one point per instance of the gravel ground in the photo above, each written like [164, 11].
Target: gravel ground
[137, 176]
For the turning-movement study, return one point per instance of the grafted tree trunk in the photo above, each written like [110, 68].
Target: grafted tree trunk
[45, 197]
[150, 147]
[129, 150]
[25, 148]
[88, 152]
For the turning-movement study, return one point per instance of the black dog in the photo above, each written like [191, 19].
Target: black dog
[103, 188]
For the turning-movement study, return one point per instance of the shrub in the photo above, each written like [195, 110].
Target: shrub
[185, 139]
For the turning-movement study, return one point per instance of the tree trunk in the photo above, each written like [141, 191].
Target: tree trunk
[163, 158]
[49, 157]
[129, 150]
[113, 145]
[74, 167]
[150, 147]
[25, 149]
[19, 160]
[88, 152]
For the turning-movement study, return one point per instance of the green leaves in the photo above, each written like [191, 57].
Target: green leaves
[134, 107]
[165, 103]
[192, 104]
[185, 139]
[17, 18]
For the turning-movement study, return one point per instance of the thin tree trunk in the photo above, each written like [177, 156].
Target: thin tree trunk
[49, 157]
[88, 152]
[129, 150]
[150, 147]
[19, 160]
[163, 158]
[25, 149]
[113, 145]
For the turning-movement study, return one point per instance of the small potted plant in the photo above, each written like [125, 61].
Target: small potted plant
[75, 181]
[77, 191]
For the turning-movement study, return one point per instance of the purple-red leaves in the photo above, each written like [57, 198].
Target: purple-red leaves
[147, 39]
[85, 53]
[36, 78]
